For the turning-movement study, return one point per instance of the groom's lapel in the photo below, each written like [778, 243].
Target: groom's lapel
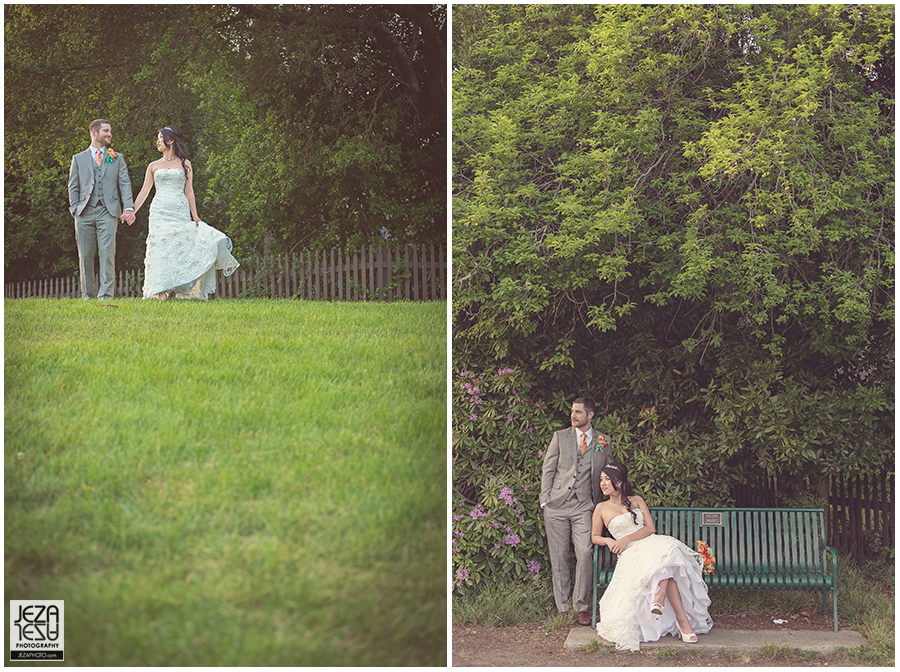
[87, 162]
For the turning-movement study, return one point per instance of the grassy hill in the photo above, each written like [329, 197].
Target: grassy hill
[229, 483]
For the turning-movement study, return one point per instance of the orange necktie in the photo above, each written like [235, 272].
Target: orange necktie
[97, 156]
[583, 446]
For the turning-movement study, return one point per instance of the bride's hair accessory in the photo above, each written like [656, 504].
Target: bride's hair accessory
[169, 128]
[613, 466]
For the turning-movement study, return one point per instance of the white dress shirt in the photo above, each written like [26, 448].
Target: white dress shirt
[578, 434]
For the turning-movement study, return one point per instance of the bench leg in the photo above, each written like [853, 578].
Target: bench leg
[834, 607]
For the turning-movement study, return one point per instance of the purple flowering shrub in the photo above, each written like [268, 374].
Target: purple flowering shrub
[499, 435]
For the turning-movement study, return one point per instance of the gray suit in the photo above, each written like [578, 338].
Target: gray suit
[97, 198]
[568, 515]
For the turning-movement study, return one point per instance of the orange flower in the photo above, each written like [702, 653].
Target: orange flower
[709, 560]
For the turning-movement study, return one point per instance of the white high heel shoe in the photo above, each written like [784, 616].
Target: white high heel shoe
[687, 638]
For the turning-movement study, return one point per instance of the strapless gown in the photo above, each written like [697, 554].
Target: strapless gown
[182, 256]
[624, 610]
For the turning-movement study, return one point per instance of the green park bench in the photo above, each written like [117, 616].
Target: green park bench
[754, 548]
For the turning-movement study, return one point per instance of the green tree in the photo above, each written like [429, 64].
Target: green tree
[309, 125]
[686, 212]
[350, 124]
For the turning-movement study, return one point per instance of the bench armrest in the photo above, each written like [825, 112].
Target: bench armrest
[834, 607]
[830, 549]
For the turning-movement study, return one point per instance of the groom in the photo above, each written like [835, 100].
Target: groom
[570, 488]
[99, 193]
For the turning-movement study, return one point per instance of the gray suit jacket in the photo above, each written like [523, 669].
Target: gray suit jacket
[116, 184]
[560, 462]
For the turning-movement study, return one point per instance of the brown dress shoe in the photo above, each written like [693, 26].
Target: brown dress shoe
[584, 618]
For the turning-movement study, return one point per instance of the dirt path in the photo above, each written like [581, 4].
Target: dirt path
[534, 645]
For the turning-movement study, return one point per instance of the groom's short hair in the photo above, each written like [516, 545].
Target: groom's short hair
[586, 403]
[97, 123]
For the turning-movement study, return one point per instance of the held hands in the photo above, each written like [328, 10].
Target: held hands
[128, 217]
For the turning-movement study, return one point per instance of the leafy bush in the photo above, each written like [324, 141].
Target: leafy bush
[499, 435]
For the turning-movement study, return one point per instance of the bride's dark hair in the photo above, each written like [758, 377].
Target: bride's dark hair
[174, 138]
[618, 476]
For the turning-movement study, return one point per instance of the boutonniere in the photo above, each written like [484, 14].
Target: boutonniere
[601, 443]
[110, 155]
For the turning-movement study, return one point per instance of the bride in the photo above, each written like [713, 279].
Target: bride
[657, 587]
[183, 253]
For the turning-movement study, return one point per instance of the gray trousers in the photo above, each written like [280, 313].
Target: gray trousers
[571, 522]
[95, 232]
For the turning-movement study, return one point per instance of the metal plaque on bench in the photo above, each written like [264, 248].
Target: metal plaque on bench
[711, 518]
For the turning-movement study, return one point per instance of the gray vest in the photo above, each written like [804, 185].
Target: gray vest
[582, 486]
[97, 193]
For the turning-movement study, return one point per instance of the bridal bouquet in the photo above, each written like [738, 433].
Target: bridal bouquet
[709, 560]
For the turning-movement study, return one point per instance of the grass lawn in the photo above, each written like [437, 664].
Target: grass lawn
[238, 482]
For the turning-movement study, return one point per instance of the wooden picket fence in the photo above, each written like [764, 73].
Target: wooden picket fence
[861, 515]
[859, 518]
[412, 273]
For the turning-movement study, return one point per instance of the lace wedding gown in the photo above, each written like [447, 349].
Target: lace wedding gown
[624, 610]
[182, 256]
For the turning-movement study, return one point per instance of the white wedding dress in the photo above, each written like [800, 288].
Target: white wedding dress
[624, 610]
[181, 256]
